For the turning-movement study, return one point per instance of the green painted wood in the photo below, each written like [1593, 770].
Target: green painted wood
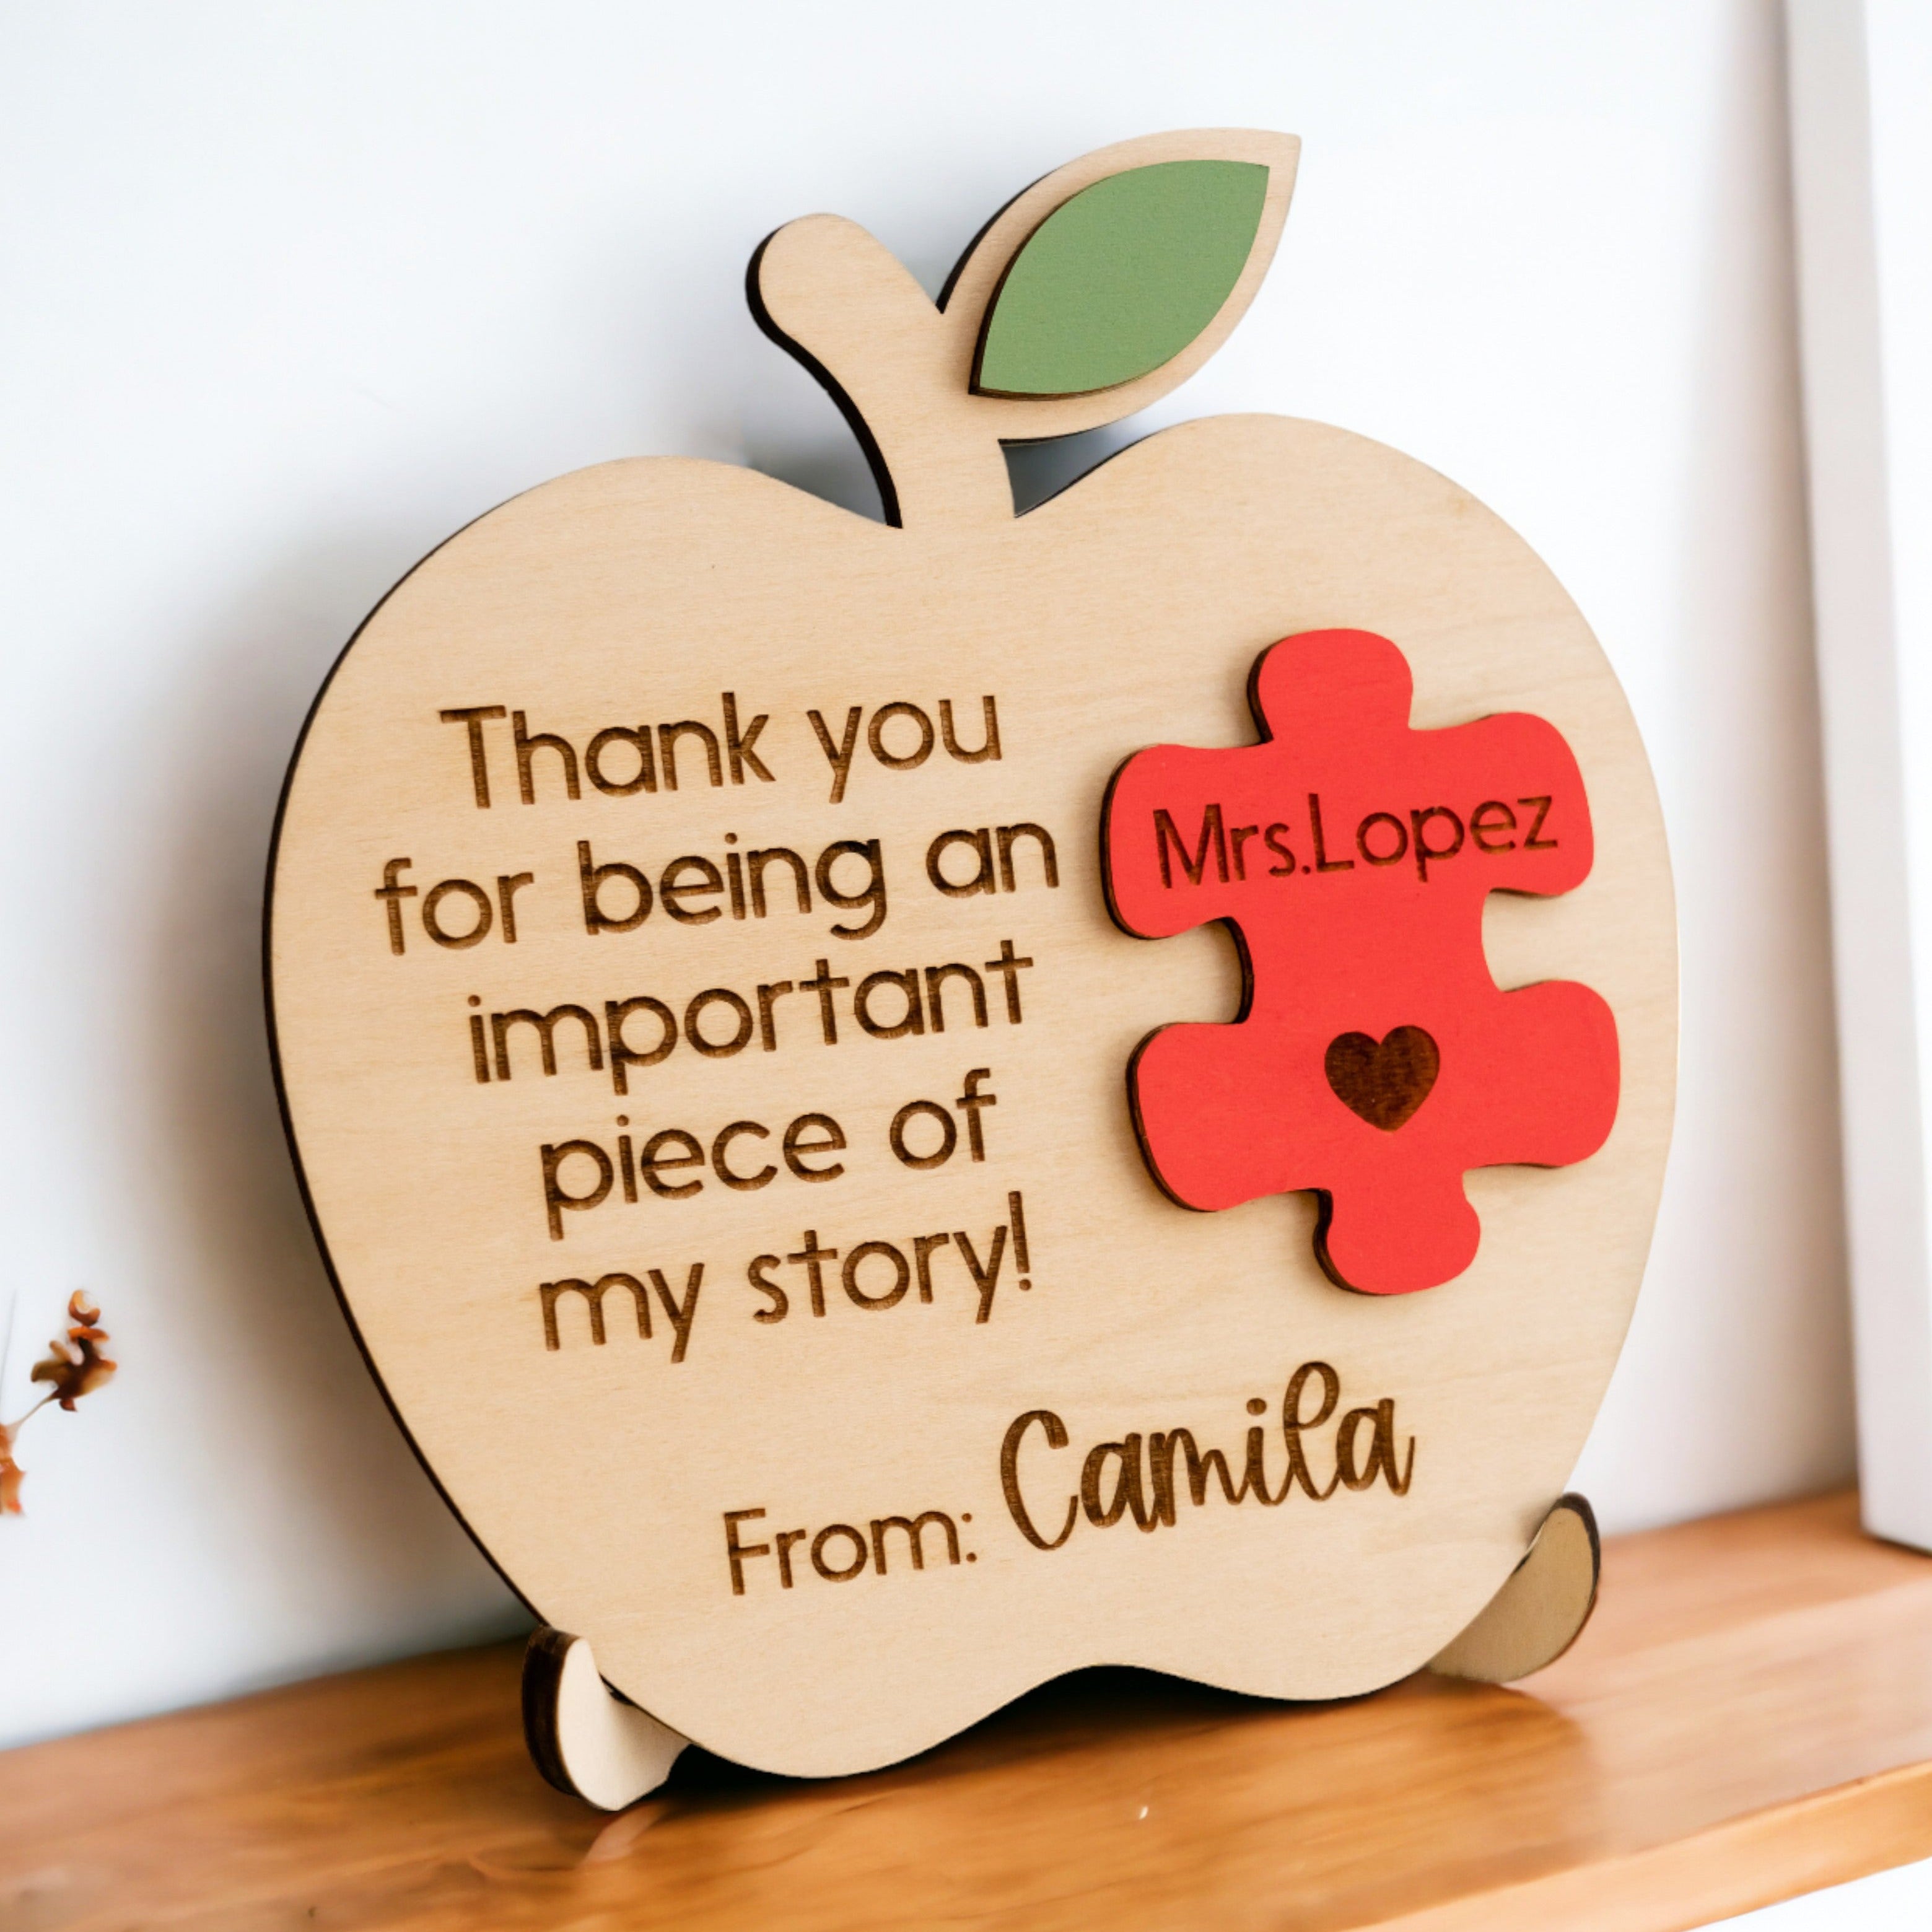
[1121, 278]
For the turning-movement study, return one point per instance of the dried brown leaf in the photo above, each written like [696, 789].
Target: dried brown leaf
[75, 1366]
[10, 1474]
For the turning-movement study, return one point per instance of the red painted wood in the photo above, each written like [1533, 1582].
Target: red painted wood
[1351, 855]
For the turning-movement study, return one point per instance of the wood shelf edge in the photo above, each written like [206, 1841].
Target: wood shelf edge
[1870, 1825]
[1749, 1716]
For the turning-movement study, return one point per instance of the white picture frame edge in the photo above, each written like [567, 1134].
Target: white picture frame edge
[1859, 368]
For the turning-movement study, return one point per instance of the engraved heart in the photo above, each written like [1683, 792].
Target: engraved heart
[1384, 1082]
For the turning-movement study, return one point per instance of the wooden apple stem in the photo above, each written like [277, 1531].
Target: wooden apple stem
[899, 368]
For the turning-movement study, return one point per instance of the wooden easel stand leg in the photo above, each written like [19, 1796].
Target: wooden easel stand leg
[586, 1740]
[1541, 1610]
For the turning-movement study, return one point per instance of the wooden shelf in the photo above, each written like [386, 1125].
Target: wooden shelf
[1749, 1716]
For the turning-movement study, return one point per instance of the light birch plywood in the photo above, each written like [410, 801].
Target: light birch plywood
[1541, 1612]
[583, 1739]
[901, 368]
[653, 1494]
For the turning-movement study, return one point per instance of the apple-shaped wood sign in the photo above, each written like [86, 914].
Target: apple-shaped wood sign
[902, 1108]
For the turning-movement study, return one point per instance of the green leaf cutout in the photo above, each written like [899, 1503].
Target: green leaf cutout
[1121, 278]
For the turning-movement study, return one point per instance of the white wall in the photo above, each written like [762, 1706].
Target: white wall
[295, 291]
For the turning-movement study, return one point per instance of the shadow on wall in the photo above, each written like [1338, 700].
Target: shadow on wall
[371, 1561]
[837, 471]
[1039, 470]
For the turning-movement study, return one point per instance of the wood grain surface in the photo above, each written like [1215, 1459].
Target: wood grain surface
[1748, 1716]
[770, 1411]
[706, 1045]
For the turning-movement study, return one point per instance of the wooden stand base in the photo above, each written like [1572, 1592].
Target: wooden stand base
[1541, 1612]
[586, 1740]
[1748, 1715]
[584, 1737]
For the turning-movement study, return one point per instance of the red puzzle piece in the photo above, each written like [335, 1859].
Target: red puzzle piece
[1375, 1061]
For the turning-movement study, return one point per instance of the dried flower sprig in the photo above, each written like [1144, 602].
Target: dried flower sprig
[73, 1367]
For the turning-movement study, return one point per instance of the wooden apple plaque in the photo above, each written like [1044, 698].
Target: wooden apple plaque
[901, 1108]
